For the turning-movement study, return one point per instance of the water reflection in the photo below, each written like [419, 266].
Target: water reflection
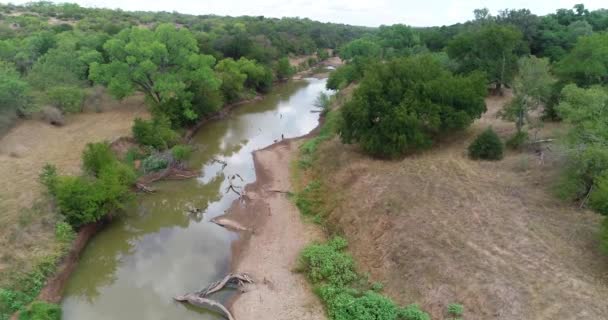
[133, 268]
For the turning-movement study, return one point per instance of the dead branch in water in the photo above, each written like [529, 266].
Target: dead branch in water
[144, 188]
[238, 279]
[199, 298]
[195, 300]
[222, 162]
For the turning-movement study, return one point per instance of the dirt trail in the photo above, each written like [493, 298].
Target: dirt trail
[270, 251]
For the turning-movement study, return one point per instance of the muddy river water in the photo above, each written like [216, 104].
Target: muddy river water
[133, 268]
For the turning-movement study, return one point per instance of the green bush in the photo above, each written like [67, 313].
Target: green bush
[455, 310]
[40, 310]
[97, 155]
[403, 104]
[64, 232]
[83, 200]
[518, 140]
[67, 98]
[599, 195]
[48, 177]
[156, 133]
[181, 152]
[283, 69]
[328, 263]
[309, 201]
[154, 163]
[487, 146]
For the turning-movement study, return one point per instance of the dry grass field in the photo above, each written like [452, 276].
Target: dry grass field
[438, 228]
[26, 219]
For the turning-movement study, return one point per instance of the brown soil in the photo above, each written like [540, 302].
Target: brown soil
[438, 228]
[269, 252]
[27, 221]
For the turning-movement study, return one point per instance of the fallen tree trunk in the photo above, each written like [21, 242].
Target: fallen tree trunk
[199, 298]
[193, 299]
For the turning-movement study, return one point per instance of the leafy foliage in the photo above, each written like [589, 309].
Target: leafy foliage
[283, 69]
[587, 63]
[487, 146]
[181, 152]
[96, 156]
[67, 98]
[401, 105]
[164, 64]
[40, 310]
[154, 162]
[492, 49]
[333, 273]
[532, 88]
[156, 133]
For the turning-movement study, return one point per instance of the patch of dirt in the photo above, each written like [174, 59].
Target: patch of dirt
[438, 228]
[27, 222]
[269, 252]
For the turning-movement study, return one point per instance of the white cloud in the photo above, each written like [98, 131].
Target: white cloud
[358, 12]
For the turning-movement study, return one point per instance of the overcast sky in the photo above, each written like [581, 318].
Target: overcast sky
[357, 12]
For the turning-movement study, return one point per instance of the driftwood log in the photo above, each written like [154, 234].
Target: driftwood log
[200, 299]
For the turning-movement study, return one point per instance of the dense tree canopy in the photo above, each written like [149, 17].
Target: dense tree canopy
[401, 105]
[163, 63]
[492, 49]
[587, 63]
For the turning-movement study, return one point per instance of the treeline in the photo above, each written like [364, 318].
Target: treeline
[47, 52]
[416, 85]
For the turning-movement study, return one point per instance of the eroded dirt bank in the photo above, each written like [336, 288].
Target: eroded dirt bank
[270, 249]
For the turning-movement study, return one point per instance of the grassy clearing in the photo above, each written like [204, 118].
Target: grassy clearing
[31, 240]
[438, 228]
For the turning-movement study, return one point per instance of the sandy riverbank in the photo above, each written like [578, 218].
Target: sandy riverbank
[269, 251]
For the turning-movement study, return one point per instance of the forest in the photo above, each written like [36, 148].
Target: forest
[402, 91]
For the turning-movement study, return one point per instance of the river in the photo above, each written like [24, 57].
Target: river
[133, 268]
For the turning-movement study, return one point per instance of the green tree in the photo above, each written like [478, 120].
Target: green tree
[67, 98]
[96, 156]
[156, 133]
[532, 88]
[164, 64]
[283, 69]
[233, 80]
[14, 92]
[585, 142]
[587, 63]
[491, 48]
[401, 105]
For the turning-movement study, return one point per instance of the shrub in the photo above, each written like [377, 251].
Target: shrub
[323, 102]
[283, 69]
[599, 195]
[67, 98]
[78, 200]
[48, 177]
[181, 152]
[517, 140]
[154, 163]
[487, 146]
[604, 235]
[343, 305]
[328, 263]
[64, 232]
[156, 133]
[309, 200]
[40, 310]
[403, 104]
[95, 156]
[412, 312]
[455, 310]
